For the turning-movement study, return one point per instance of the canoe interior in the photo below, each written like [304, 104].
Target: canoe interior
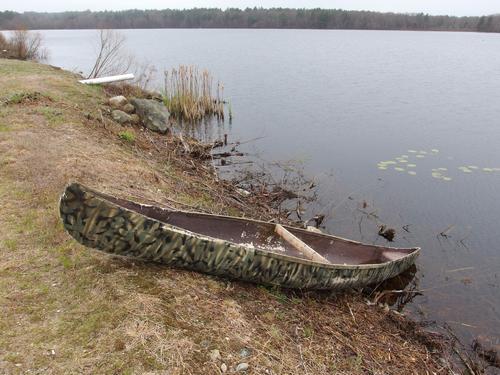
[262, 235]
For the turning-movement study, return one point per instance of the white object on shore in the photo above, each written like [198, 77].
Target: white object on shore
[110, 79]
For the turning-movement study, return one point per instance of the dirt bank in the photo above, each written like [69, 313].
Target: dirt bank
[65, 309]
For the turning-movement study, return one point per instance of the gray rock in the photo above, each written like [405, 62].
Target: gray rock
[117, 101]
[245, 352]
[153, 114]
[205, 344]
[223, 367]
[121, 117]
[128, 108]
[215, 355]
[242, 367]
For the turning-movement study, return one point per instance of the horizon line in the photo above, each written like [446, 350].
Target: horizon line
[245, 8]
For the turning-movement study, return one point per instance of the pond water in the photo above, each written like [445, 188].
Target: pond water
[399, 128]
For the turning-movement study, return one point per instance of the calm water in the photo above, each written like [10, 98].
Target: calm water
[340, 102]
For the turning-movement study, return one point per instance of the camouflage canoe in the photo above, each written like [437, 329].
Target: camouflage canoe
[237, 248]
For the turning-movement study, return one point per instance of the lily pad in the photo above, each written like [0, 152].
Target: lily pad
[465, 169]
[412, 173]
[411, 165]
[420, 156]
[399, 169]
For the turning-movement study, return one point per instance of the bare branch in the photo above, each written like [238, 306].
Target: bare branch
[111, 58]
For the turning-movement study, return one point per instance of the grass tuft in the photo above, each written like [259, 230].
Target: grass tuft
[190, 94]
[10, 244]
[127, 136]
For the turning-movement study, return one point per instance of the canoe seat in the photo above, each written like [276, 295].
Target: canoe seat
[300, 245]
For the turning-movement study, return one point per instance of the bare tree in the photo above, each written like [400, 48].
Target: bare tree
[112, 57]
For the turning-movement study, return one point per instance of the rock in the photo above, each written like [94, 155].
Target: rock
[215, 355]
[153, 114]
[388, 234]
[245, 352]
[128, 108]
[242, 367]
[135, 119]
[223, 367]
[117, 101]
[489, 350]
[121, 117]
[205, 344]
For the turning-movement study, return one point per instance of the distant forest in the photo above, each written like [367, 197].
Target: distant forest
[253, 18]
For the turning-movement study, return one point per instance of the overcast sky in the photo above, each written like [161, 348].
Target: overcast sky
[452, 7]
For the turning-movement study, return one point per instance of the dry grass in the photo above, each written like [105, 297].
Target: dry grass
[190, 94]
[65, 309]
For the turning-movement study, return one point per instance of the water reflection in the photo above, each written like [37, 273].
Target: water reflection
[398, 291]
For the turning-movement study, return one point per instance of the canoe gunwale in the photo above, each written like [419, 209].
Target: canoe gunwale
[105, 199]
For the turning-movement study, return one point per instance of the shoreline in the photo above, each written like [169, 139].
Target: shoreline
[82, 311]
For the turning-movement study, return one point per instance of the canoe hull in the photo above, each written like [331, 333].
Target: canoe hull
[97, 223]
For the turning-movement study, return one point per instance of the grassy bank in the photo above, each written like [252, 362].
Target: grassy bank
[65, 309]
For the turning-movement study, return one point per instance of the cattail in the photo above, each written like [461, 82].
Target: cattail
[189, 94]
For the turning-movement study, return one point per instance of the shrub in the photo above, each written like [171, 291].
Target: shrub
[3, 42]
[23, 45]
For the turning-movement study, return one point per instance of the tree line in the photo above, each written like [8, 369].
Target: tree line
[256, 18]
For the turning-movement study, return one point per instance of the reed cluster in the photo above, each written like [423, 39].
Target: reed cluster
[190, 94]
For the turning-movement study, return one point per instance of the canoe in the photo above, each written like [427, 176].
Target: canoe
[237, 248]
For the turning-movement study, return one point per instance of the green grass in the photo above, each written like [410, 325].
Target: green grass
[127, 136]
[52, 115]
[20, 97]
[10, 244]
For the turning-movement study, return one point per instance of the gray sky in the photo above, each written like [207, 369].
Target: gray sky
[452, 7]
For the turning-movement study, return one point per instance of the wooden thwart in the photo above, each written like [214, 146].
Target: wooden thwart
[305, 249]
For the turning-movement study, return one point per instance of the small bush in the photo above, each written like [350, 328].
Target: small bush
[23, 45]
[127, 136]
[3, 43]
